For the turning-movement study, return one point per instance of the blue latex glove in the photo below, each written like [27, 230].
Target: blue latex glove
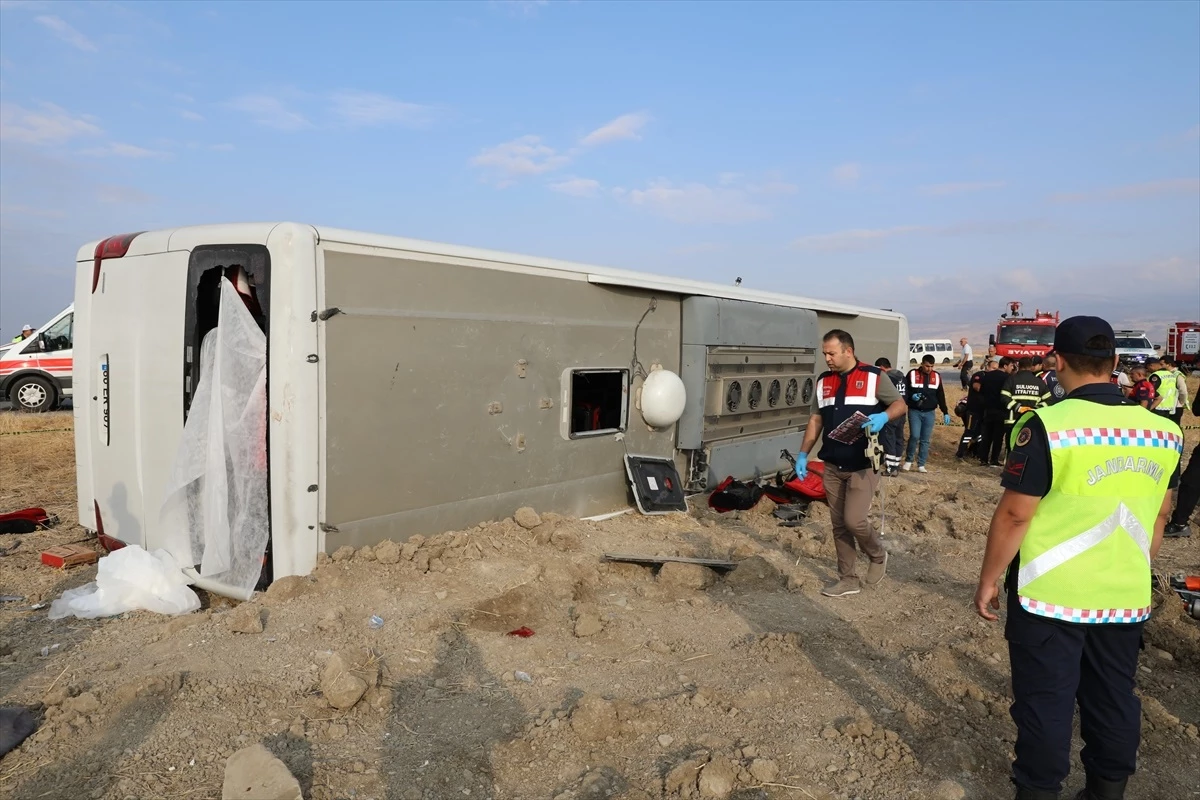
[801, 465]
[875, 422]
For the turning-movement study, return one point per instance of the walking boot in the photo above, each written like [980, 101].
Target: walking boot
[1098, 788]
[1025, 793]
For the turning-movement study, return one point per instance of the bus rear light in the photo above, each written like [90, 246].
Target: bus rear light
[112, 247]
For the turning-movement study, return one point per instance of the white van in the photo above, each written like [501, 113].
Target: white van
[942, 351]
[382, 387]
[35, 373]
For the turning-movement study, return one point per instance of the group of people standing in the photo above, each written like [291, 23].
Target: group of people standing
[923, 392]
[1070, 543]
[997, 396]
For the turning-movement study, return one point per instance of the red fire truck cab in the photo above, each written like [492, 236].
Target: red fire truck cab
[1018, 335]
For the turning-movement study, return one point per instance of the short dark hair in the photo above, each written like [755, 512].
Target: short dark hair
[1025, 362]
[927, 358]
[1168, 361]
[883, 362]
[1035, 361]
[1093, 365]
[1005, 361]
[837, 333]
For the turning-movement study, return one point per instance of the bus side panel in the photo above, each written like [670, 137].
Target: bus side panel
[873, 336]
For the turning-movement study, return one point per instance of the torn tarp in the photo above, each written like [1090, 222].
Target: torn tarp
[215, 512]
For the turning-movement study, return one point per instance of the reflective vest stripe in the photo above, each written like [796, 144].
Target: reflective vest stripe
[1063, 552]
[1139, 437]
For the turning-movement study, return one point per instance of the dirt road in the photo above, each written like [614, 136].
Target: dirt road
[680, 684]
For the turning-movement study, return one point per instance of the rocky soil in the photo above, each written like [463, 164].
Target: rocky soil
[637, 683]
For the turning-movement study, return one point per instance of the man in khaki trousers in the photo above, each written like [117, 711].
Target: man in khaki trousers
[851, 398]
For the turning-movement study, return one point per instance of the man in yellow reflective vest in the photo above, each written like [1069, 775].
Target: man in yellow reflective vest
[1084, 505]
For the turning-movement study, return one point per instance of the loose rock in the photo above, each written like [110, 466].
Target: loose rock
[685, 576]
[681, 781]
[587, 622]
[253, 773]
[246, 618]
[347, 676]
[387, 552]
[290, 587]
[764, 770]
[717, 779]
[343, 553]
[527, 518]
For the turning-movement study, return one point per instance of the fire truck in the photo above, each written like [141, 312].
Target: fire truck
[1020, 335]
[1183, 345]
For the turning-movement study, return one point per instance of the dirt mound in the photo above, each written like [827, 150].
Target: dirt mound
[389, 673]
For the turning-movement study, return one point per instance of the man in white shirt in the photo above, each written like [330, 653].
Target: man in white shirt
[966, 362]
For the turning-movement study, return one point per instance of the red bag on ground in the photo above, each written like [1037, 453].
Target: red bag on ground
[27, 520]
[811, 487]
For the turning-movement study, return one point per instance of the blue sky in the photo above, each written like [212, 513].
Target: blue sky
[939, 159]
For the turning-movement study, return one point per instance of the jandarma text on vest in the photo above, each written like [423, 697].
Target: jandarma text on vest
[1127, 464]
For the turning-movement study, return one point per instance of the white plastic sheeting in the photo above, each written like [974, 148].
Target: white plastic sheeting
[127, 580]
[215, 512]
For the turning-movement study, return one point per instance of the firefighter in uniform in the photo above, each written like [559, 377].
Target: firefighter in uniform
[1082, 515]
[1024, 391]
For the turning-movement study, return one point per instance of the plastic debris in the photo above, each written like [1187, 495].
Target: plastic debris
[126, 580]
[375, 622]
[523, 631]
[523, 676]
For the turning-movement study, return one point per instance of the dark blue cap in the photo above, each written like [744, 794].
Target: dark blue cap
[1072, 334]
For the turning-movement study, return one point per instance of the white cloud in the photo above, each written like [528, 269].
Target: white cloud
[362, 109]
[847, 175]
[48, 125]
[577, 187]
[854, 239]
[191, 115]
[521, 157]
[626, 126]
[60, 28]
[693, 202]
[122, 150]
[1133, 191]
[946, 189]
[270, 112]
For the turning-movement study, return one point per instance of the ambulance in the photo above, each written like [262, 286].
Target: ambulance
[35, 373]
